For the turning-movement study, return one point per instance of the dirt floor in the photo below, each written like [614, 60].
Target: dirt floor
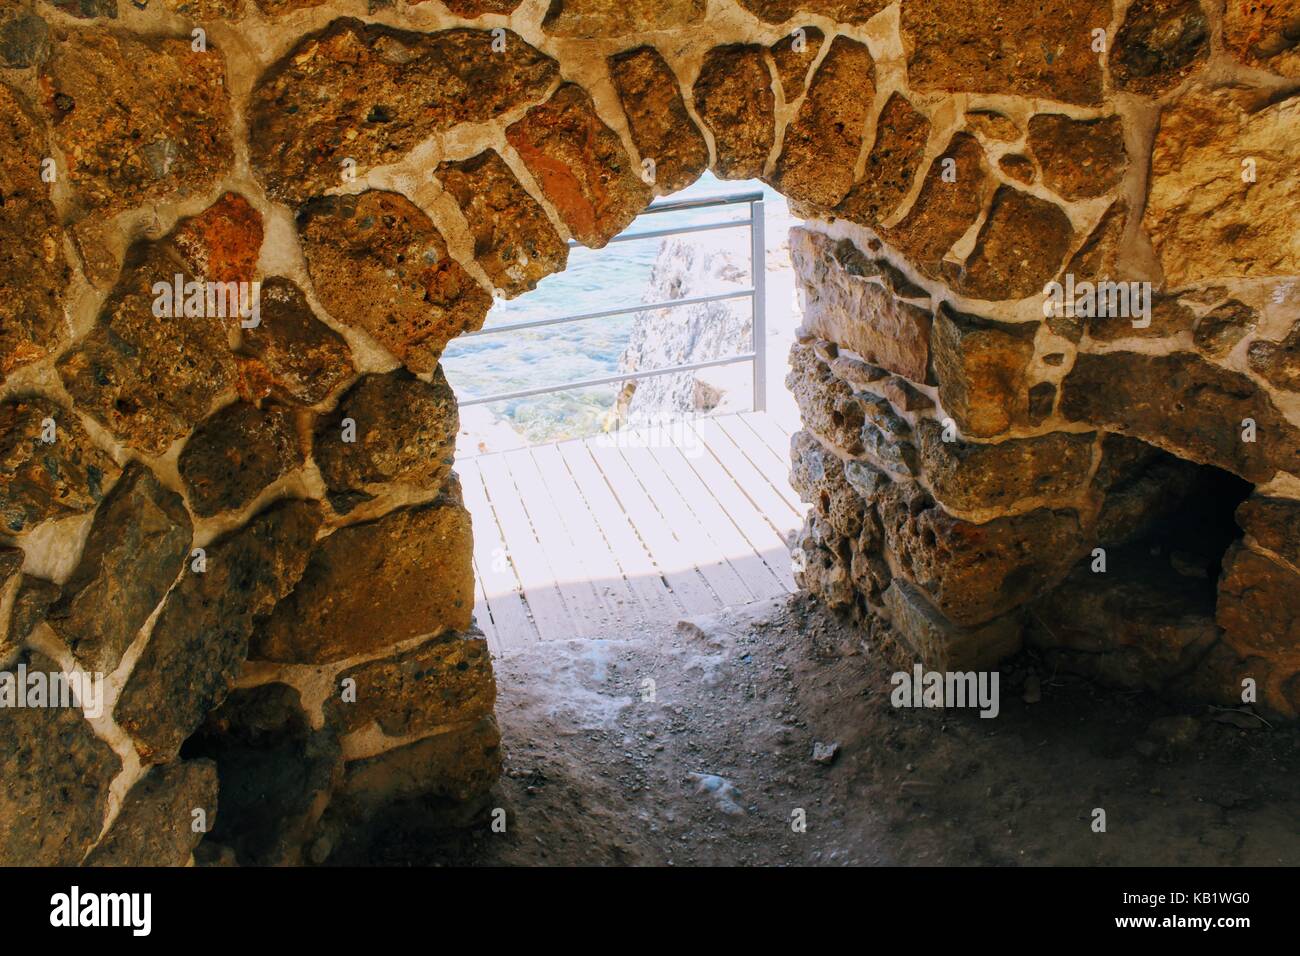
[712, 764]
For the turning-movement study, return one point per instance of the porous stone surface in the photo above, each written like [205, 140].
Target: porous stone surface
[24, 38]
[34, 271]
[1274, 523]
[661, 128]
[171, 141]
[940, 645]
[235, 453]
[1024, 47]
[292, 354]
[1183, 403]
[514, 240]
[31, 604]
[306, 118]
[136, 547]
[1205, 219]
[41, 479]
[447, 680]
[821, 147]
[844, 11]
[1258, 612]
[54, 780]
[581, 166]
[733, 95]
[1159, 43]
[405, 433]
[149, 379]
[1080, 159]
[844, 305]
[1278, 363]
[202, 634]
[163, 818]
[901, 135]
[419, 581]
[586, 19]
[793, 55]
[969, 476]
[1264, 34]
[379, 264]
[950, 201]
[983, 371]
[1021, 247]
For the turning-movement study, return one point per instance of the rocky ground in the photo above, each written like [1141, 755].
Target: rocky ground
[716, 767]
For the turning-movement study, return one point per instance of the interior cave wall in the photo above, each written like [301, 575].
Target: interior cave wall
[197, 526]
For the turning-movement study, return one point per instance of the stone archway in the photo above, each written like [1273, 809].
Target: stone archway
[238, 526]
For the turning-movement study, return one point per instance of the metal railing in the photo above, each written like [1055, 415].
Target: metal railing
[756, 293]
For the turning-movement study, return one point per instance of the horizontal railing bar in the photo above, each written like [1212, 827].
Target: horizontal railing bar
[610, 380]
[661, 233]
[674, 205]
[583, 317]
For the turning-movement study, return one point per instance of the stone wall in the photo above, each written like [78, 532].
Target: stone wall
[253, 530]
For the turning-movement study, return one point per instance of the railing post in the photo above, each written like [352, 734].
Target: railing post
[758, 266]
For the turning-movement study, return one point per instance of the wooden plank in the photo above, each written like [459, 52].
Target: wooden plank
[686, 528]
[483, 614]
[600, 563]
[767, 541]
[644, 579]
[522, 549]
[588, 615]
[767, 429]
[711, 514]
[671, 556]
[496, 575]
[775, 509]
[762, 457]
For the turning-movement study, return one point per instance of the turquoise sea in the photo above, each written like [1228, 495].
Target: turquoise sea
[594, 281]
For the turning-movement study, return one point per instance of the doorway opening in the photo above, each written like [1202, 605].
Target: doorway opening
[623, 447]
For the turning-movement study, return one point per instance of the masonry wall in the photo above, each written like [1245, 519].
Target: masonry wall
[256, 532]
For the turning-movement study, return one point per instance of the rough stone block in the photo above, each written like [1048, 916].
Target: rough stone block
[793, 54]
[1183, 403]
[201, 637]
[856, 312]
[297, 356]
[950, 201]
[983, 371]
[405, 434]
[446, 680]
[1020, 248]
[1035, 48]
[733, 95]
[136, 547]
[40, 480]
[1203, 218]
[821, 147]
[514, 240]
[418, 581]
[656, 117]
[938, 644]
[969, 475]
[33, 268]
[1080, 159]
[369, 93]
[236, 453]
[1159, 43]
[901, 135]
[54, 780]
[156, 825]
[138, 118]
[378, 263]
[581, 165]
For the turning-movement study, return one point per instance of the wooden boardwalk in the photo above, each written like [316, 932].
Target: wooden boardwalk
[592, 537]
